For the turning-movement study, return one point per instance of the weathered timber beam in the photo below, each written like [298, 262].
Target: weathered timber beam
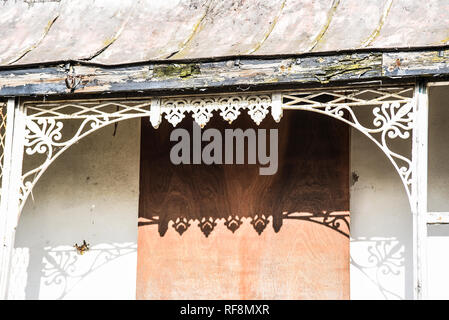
[421, 63]
[175, 76]
[79, 78]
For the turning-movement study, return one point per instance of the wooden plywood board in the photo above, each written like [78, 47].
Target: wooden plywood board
[289, 258]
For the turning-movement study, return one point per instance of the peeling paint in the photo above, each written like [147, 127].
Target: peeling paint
[347, 65]
[220, 74]
[176, 70]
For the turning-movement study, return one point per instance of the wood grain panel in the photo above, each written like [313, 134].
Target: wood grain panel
[312, 173]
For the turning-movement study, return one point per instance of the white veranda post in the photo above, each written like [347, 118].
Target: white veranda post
[419, 191]
[36, 130]
[11, 182]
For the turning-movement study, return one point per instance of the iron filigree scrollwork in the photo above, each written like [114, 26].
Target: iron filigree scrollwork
[2, 137]
[202, 108]
[44, 136]
[392, 111]
[46, 133]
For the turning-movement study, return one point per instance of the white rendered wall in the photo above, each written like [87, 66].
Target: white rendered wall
[89, 193]
[381, 222]
[438, 193]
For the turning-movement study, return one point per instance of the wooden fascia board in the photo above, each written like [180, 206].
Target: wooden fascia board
[78, 78]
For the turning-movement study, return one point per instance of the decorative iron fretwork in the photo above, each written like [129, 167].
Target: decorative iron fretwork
[201, 108]
[2, 139]
[48, 134]
[46, 122]
[47, 131]
[392, 116]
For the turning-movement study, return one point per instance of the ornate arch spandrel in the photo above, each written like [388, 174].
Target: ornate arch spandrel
[392, 111]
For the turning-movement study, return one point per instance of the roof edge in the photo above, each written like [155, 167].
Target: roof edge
[87, 62]
[81, 77]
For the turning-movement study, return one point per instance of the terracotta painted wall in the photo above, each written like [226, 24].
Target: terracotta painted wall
[303, 261]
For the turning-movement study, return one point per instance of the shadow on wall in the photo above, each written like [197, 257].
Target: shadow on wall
[381, 222]
[381, 226]
[380, 262]
[310, 184]
[335, 220]
[96, 183]
[90, 193]
[65, 273]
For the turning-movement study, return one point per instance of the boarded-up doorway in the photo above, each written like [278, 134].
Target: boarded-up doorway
[226, 232]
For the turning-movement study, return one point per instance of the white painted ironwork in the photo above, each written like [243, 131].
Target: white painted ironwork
[392, 116]
[419, 190]
[3, 253]
[202, 108]
[391, 110]
[45, 133]
[11, 182]
[2, 140]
